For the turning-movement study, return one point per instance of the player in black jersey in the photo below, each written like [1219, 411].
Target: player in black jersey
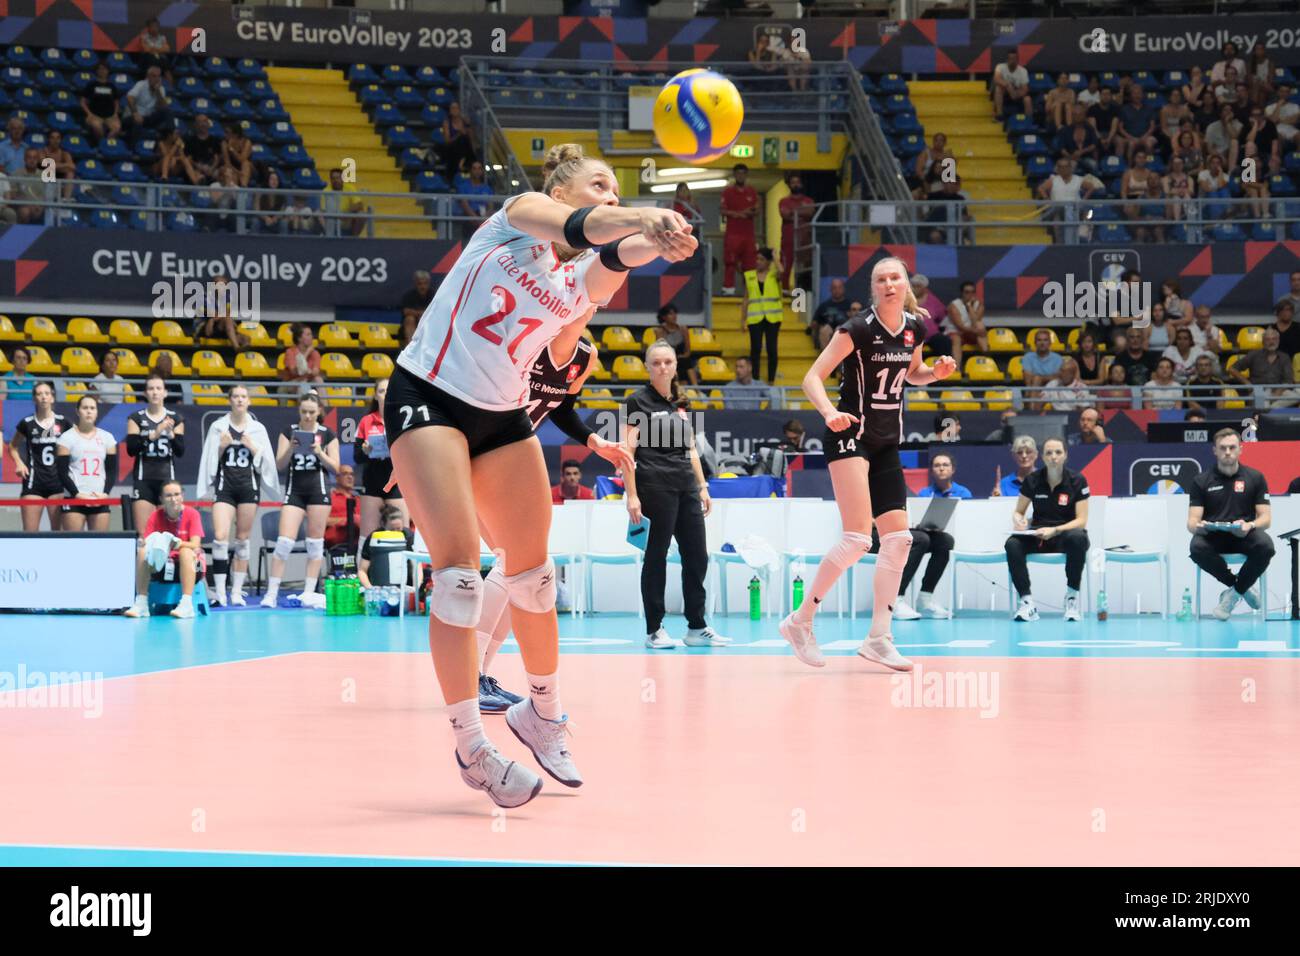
[155, 438]
[308, 450]
[370, 455]
[37, 465]
[880, 350]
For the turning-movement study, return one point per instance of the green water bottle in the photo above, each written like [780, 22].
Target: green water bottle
[1185, 612]
[1103, 610]
[755, 599]
[353, 602]
[797, 597]
[331, 597]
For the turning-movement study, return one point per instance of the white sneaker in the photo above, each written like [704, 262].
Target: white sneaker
[509, 784]
[1227, 601]
[139, 609]
[270, 600]
[547, 739]
[1072, 612]
[216, 598]
[184, 609]
[315, 600]
[1251, 598]
[237, 599]
[800, 636]
[1027, 611]
[705, 637]
[904, 611]
[660, 641]
[881, 650]
[929, 607]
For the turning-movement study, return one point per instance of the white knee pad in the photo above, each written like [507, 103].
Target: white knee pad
[496, 595]
[457, 597]
[849, 550]
[893, 550]
[220, 550]
[241, 550]
[315, 548]
[283, 547]
[533, 590]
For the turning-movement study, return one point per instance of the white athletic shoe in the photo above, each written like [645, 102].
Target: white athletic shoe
[314, 600]
[270, 600]
[705, 637]
[1027, 611]
[881, 650]
[139, 609]
[660, 641]
[1227, 601]
[184, 609]
[509, 784]
[929, 607]
[1072, 612]
[237, 599]
[800, 637]
[547, 739]
[1251, 598]
[216, 598]
[904, 611]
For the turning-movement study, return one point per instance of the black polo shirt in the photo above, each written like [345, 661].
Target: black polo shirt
[1229, 497]
[833, 313]
[1053, 506]
[664, 441]
[100, 97]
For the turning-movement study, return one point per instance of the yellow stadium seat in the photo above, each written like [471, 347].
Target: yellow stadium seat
[340, 396]
[78, 361]
[179, 368]
[5, 364]
[981, 368]
[650, 336]
[7, 331]
[279, 362]
[73, 391]
[258, 337]
[997, 401]
[41, 328]
[601, 374]
[41, 363]
[1224, 344]
[334, 336]
[85, 331]
[1250, 338]
[630, 368]
[1232, 399]
[599, 398]
[719, 401]
[703, 340]
[258, 395]
[697, 401]
[917, 400]
[206, 394]
[377, 365]
[210, 364]
[618, 338]
[1056, 342]
[283, 335]
[1295, 366]
[1004, 340]
[337, 365]
[712, 368]
[169, 332]
[959, 400]
[378, 337]
[1015, 371]
[128, 332]
[128, 365]
[253, 365]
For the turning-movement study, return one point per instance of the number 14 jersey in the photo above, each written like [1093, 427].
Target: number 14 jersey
[875, 374]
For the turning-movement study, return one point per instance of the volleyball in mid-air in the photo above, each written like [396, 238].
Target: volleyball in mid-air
[698, 115]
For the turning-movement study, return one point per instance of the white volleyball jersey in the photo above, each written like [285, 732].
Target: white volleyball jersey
[88, 453]
[505, 299]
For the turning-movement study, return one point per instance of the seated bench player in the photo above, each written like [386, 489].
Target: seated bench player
[174, 533]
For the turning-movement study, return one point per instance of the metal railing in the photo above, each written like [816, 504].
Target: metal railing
[505, 170]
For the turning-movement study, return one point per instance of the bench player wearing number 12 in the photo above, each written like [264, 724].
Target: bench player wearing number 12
[463, 447]
[880, 350]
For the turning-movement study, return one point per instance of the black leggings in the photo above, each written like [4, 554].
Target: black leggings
[758, 332]
[1073, 543]
[937, 544]
[1208, 551]
[672, 514]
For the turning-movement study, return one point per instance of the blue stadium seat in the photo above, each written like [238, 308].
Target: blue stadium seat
[1294, 231]
[34, 122]
[225, 88]
[529, 80]
[62, 121]
[1078, 81]
[1155, 99]
[66, 101]
[5, 101]
[48, 79]
[114, 150]
[184, 66]
[892, 83]
[431, 182]
[29, 98]
[129, 172]
[441, 96]
[217, 66]
[80, 79]
[1112, 232]
[1175, 79]
[208, 107]
[1108, 79]
[402, 137]
[428, 76]
[14, 77]
[1265, 232]
[294, 156]
[146, 149]
[1105, 213]
[78, 146]
[1113, 166]
[281, 132]
[138, 219]
[869, 85]
[84, 60]
[255, 90]
[1040, 82]
[181, 222]
[433, 115]
[307, 178]
[910, 146]
[250, 69]
[410, 160]
[1031, 144]
[394, 75]
[1019, 124]
[905, 123]
[93, 170]
[1280, 184]
[122, 82]
[270, 110]
[1228, 232]
[237, 109]
[1038, 167]
[189, 87]
[1156, 164]
[70, 219]
[105, 219]
[19, 55]
[408, 98]
[87, 196]
[372, 94]
[1146, 79]
[119, 62]
[252, 130]
[362, 74]
[896, 103]
[1291, 162]
[386, 114]
[126, 196]
[261, 154]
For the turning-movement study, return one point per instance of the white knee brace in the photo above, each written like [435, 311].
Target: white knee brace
[315, 548]
[457, 596]
[241, 550]
[849, 550]
[533, 590]
[283, 547]
[496, 595]
[893, 550]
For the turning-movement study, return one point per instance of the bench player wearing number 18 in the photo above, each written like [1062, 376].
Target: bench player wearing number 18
[880, 350]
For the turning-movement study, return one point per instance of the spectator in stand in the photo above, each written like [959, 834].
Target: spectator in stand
[1163, 391]
[269, 208]
[1133, 186]
[204, 151]
[796, 244]
[1115, 391]
[303, 220]
[337, 200]
[392, 537]
[1104, 117]
[475, 185]
[1225, 91]
[934, 336]
[947, 428]
[413, 304]
[302, 361]
[761, 311]
[100, 106]
[225, 200]
[172, 161]
[1092, 95]
[219, 316]
[1024, 452]
[1229, 60]
[1293, 295]
[1205, 333]
[1138, 364]
[1138, 124]
[761, 57]
[739, 209]
[1204, 115]
[8, 214]
[1222, 137]
[16, 384]
[831, 314]
[1156, 335]
[337, 530]
[1195, 87]
[28, 189]
[1189, 148]
[461, 142]
[948, 206]
[1078, 142]
[675, 335]
[1204, 388]
[571, 487]
[1058, 104]
[237, 153]
[684, 203]
[149, 101]
[1213, 177]
[964, 323]
[939, 162]
[65, 167]
[743, 394]
[1042, 364]
[1011, 87]
[1092, 364]
[13, 151]
[1152, 207]
[174, 533]
[1285, 324]
[1285, 115]
[1267, 366]
[1178, 310]
[1257, 192]
[110, 387]
[155, 51]
[1179, 190]
[1173, 114]
[1262, 131]
[1064, 189]
[1259, 73]
[1183, 354]
[1066, 392]
[1090, 431]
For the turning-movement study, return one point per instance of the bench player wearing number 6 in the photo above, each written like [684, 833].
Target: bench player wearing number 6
[880, 350]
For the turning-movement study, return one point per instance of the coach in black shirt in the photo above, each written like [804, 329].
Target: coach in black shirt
[1060, 500]
[1234, 493]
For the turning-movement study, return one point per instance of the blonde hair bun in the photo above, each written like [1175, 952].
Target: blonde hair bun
[562, 163]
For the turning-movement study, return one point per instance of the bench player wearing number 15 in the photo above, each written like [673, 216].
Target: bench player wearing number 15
[880, 350]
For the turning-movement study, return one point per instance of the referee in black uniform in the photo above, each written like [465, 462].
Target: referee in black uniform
[1235, 494]
[668, 487]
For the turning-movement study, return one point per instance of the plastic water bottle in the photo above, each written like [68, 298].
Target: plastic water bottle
[392, 596]
[796, 598]
[1185, 612]
[331, 597]
[1103, 610]
[755, 598]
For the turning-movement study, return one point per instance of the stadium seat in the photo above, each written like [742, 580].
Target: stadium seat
[918, 400]
[377, 337]
[20, 55]
[377, 365]
[128, 364]
[630, 368]
[5, 364]
[250, 69]
[210, 364]
[337, 365]
[650, 336]
[128, 332]
[408, 97]
[179, 368]
[259, 395]
[1056, 342]
[106, 219]
[1249, 338]
[41, 363]
[335, 336]
[169, 332]
[78, 361]
[253, 365]
[997, 401]
[257, 334]
[598, 398]
[1004, 340]
[284, 334]
[618, 338]
[7, 331]
[430, 182]
[703, 340]
[981, 368]
[362, 74]
[958, 400]
[1015, 371]
[206, 394]
[85, 331]
[40, 328]
[340, 396]
[713, 368]
[402, 137]
[1232, 399]
[600, 373]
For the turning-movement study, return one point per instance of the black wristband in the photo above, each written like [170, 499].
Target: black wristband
[609, 257]
[575, 235]
[566, 420]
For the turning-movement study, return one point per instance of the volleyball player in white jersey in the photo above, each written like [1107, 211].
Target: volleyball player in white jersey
[86, 457]
[879, 349]
[463, 447]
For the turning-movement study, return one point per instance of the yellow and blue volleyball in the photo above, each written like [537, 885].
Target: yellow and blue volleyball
[698, 115]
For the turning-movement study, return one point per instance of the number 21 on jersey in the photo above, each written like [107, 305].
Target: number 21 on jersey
[505, 300]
